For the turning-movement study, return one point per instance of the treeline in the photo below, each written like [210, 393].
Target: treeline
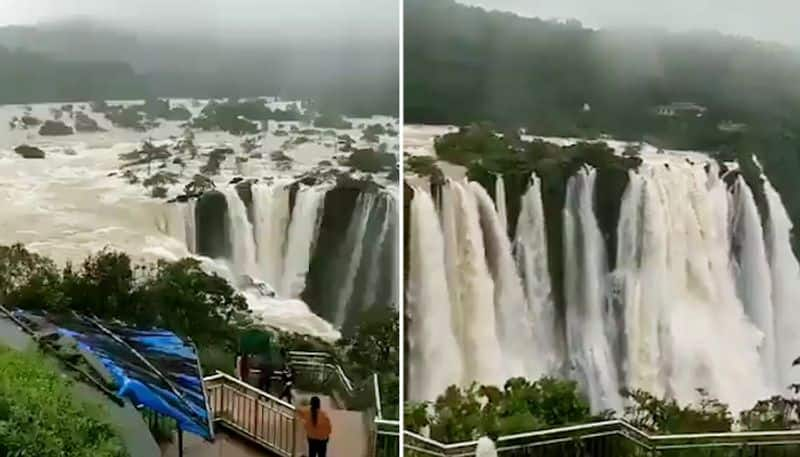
[36, 66]
[464, 65]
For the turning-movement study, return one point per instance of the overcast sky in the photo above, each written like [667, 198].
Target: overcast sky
[771, 20]
[318, 18]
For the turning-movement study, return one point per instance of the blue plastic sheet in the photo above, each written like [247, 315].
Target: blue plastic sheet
[153, 368]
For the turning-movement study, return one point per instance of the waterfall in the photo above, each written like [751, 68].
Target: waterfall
[684, 322]
[271, 219]
[585, 274]
[514, 321]
[434, 358]
[240, 232]
[500, 198]
[530, 250]
[373, 265]
[753, 274]
[353, 249]
[700, 296]
[302, 234]
[475, 323]
[785, 273]
[191, 228]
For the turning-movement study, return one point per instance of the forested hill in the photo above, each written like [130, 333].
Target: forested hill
[80, 60]
[465, 64]
[733, 96]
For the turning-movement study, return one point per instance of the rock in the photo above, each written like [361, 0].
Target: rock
[84, 123]
[371, 161]
[280, 156]
[236, 180]
[55, 128]
[30, 121]
[198, 185]
[158, 192]
[325, 163]
[212, 234]
[29, 152]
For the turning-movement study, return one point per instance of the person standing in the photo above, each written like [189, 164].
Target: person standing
[318, 428]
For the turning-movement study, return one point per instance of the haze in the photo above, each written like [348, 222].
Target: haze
[767, 20]
[223, 19]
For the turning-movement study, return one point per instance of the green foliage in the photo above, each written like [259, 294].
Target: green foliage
[178, 296]
[371, 161]
[239, 118]
[655, 415]
[469, 413]
[423, 166]
[34, 401]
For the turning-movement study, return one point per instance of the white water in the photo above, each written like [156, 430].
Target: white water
[240, 234]
[302, 235]
[785, 273]
[753, 275]
[530, 250]
[684, 322]
[271, 217]
[514, 321]
[500, 199]
[353, 248]
[585, 287]
[434, 357]
[382, 242]
[475, 323]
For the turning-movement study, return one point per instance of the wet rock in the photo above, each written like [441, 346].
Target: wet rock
[30, 121]
[371, 161]
[55, 128]
[29, 152]
[84, 123]
[211, 214]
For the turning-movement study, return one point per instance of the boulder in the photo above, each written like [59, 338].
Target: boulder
[84, 123]
[55, 128]
[29, 152]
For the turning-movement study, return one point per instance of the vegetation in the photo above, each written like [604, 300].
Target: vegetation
[490, 66]
[34, 400]
[465, 414]
[179, 296]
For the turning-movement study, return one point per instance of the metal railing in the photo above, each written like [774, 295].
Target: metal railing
[617, 438]
[255, 414]
[323, 367]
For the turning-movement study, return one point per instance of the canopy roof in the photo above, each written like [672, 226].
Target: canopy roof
[153, 368]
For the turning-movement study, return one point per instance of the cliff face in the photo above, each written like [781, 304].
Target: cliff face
[211, 215]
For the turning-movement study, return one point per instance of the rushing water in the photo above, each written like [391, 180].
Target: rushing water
[76, 202]
[701, 293]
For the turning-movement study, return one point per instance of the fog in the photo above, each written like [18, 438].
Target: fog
[768, 20]
[223, 19]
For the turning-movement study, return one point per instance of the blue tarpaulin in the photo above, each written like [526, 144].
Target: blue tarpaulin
[153, 368]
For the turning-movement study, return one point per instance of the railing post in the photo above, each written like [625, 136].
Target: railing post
[294, 436]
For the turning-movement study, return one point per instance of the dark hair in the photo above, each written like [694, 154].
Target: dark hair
[314, 409]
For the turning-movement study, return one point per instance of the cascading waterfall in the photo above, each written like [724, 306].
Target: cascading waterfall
[585, 287]
[753, 274]
[271, 220]
[381, 244]
[475, 322]
[700, 296]
[530, 250]
[353, 248]
[191, 224]
[514, 321]
[500, 198]
[434, 357]
[785, 273]
[240, 232]
[302, 234]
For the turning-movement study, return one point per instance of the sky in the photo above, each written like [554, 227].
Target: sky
[768, 20]
[243, 18]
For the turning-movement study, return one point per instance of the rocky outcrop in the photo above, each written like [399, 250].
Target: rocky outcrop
[371, 161]
[29, 152]
[84, 123]
[55, 128]
[211, 214]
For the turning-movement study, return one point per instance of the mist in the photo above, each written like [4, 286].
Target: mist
[223, 20]
[341, 53]
[769, 20]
